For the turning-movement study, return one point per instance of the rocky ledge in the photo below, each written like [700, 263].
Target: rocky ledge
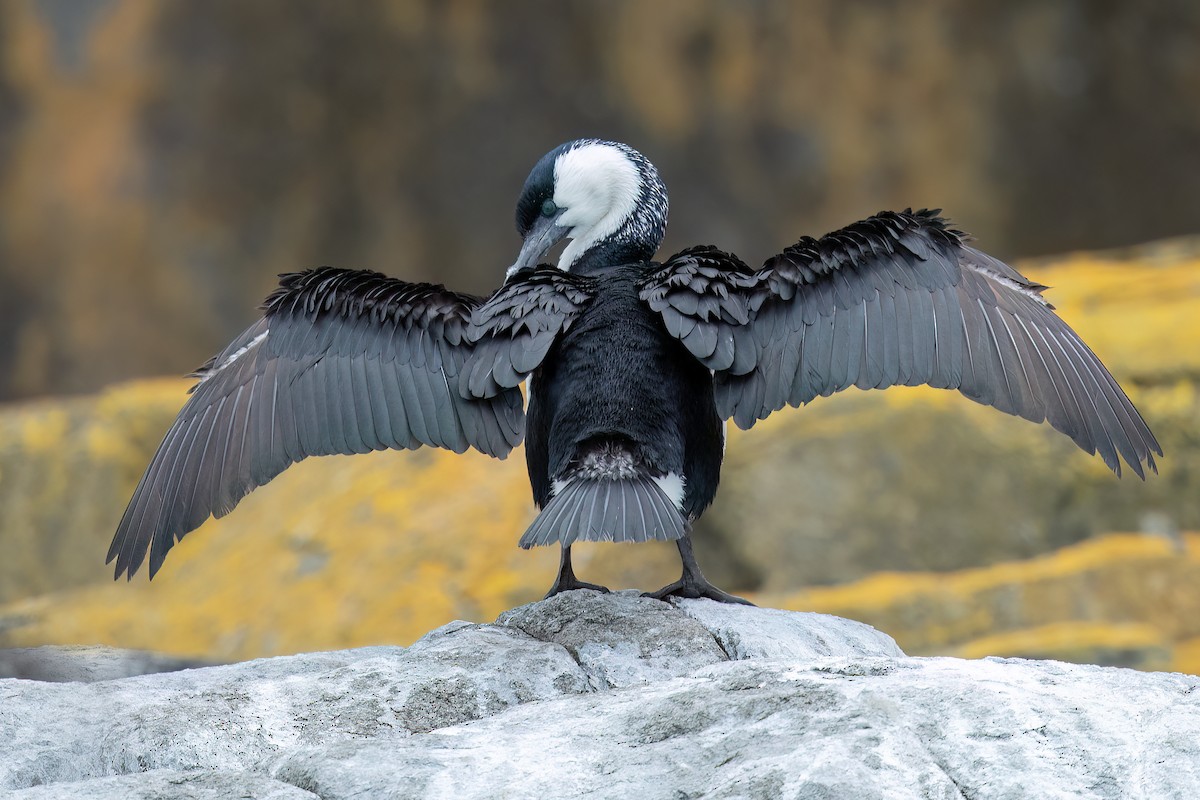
[588, 695]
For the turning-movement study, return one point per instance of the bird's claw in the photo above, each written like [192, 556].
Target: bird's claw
[561, 586]
[693, 589]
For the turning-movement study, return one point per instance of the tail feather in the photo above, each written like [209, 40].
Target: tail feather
[604, 510]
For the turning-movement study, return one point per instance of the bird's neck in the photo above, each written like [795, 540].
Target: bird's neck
[636, 239]
[612, 252]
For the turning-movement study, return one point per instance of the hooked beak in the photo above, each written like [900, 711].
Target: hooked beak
[545, 233]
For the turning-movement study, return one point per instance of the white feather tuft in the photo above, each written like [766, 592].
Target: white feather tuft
[598, 185]
[673, 486]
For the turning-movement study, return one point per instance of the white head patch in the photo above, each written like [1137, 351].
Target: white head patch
[598, 186]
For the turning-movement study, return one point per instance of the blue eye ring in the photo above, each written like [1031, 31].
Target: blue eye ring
[549, 209]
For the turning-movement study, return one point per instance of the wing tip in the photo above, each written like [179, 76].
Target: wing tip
[1146, 463]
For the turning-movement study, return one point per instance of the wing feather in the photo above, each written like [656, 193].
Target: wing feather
[898, 298]
[341, 362]
[405, 416]
[372, 377]
[514, 330]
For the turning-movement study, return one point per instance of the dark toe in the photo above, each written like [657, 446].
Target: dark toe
[695, 590]
[570, 586]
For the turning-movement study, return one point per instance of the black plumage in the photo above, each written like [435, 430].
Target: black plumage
[633, 366]
[614, 382]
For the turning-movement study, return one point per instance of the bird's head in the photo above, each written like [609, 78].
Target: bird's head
[605, 197]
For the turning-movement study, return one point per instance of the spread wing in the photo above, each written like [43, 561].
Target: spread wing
[341, 362]
[896, 299]
[516, 327]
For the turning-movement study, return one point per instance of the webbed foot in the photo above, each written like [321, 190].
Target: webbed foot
[693, 583]
[689, 587]
[567, 586]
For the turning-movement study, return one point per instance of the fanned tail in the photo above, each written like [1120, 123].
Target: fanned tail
[633, 509]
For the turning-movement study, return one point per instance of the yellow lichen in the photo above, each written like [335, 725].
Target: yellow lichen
[1143, 646]
[1124, 579]
[336, 552]
[1186, 656]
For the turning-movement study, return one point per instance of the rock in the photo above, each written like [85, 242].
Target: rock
[86, 664]
[771, 633]
[622, 639]
[835, 727]
[230, 717]
[164, 783]
[590, 695]
[619, 639]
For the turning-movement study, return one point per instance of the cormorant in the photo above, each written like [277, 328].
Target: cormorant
[633, 366]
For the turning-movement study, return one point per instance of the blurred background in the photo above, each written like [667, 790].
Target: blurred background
[160, 163]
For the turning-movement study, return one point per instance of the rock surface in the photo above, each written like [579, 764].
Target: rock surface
[165, 784]
[588, 695]
[86, 664]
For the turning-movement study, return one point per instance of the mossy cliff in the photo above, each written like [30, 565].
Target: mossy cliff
[1123, 599]
[344, 551]
[161, 162]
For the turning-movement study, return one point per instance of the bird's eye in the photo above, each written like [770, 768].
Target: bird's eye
[549, 208]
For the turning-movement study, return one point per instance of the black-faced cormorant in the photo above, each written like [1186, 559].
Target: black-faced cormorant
[633, 365]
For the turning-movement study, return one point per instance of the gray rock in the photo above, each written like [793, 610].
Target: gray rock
[832, 728]
[771, 633]
[230, 717]
[615, 696]
[623, 639]
[86, 663]
[619, 639]
[165, 783]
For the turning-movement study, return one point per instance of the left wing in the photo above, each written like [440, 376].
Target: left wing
[896, 299]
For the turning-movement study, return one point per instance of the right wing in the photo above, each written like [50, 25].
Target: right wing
[342, 362]
[896, 299]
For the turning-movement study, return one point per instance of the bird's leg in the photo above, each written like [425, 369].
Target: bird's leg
[566, 577]
[693, 583]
